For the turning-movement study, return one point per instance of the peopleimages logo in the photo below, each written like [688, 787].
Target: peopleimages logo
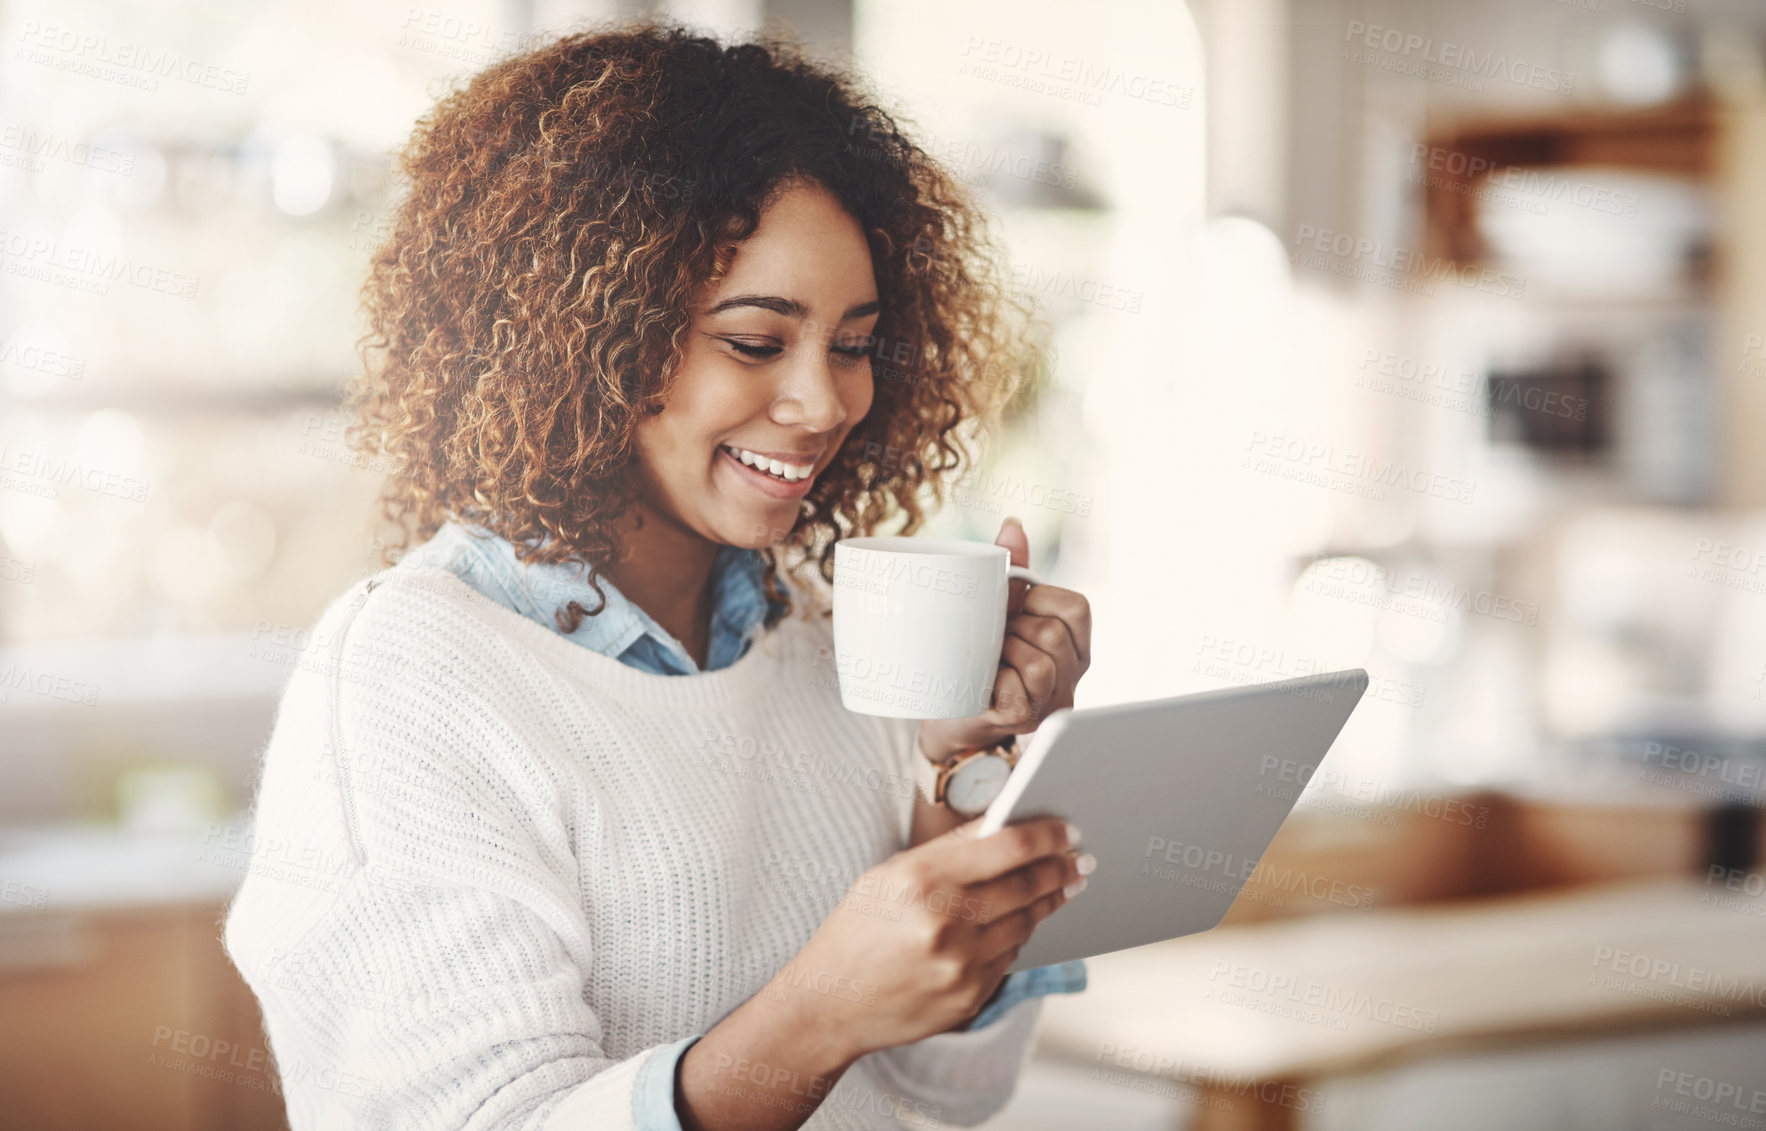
[863, 565]
[1409, 592]
[130, 64]
[21, 677]
[41, 473]
[1322, 465]
[1674, 982]
[85, 269]
[1717, 775]
[29, 148]
[1725, 1098]
[1082, 75]
[1216, 1080]
[1408, 261]
[1316, 1003]
[1293, 776]
[34, 357]
[1456, 58]
[1528, 181]
[1213, 870]
[1752, 366]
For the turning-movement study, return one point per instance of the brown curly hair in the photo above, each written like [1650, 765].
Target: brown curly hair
[530, 300]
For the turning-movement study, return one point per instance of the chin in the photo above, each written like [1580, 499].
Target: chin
[759, 529]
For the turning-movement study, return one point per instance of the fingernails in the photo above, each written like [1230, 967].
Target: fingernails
[1073, 888]
[1072, 834]
[1087, 863]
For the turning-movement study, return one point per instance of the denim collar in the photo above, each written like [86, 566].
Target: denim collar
[487, 562]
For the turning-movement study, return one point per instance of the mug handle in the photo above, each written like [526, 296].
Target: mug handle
[1021, 573]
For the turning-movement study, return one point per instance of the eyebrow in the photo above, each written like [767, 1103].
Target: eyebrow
[789, 306]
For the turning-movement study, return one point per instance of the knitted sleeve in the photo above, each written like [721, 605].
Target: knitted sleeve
[435, 980]
[964, 1077]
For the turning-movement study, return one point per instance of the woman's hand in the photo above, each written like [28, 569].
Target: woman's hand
[920, 942]
[1047, 648]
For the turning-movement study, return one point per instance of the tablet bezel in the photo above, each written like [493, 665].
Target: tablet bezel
[1048, 739]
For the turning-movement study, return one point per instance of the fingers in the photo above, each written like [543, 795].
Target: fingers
[1017, 545]
[1067, 606]
[1042, 657]
[1050, 636]
[1013, 705]
[994, 972]
[1023, 886]
[1007, 934]
[1031, 683]
[966, 831]
[981, 859]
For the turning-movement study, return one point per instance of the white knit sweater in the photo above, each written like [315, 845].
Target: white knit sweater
[511, 869]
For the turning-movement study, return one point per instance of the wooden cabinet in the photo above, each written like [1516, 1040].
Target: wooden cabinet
[129, 1019]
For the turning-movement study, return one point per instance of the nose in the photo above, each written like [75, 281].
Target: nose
[809, 394]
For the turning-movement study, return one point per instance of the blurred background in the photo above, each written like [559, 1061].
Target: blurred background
[1419, 336]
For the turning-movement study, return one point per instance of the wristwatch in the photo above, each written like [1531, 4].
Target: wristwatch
[969, 781]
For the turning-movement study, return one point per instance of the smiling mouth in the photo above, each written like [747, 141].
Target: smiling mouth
[776, 470]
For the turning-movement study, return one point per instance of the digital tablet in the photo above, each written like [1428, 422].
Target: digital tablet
[1177, 798]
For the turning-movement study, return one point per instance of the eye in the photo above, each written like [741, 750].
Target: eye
[753, 351]
[854, 352]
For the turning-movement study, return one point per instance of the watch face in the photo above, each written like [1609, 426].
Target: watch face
[977, 783]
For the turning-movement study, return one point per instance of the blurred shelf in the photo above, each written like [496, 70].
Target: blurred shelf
[188, 400]
[1678, 139]
[87, 867]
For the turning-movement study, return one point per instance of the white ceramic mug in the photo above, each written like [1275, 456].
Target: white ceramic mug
[919, 624]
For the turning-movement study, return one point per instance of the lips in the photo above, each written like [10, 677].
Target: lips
[790, 466]
[769, 485]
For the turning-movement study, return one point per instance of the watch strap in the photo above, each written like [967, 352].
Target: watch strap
[927, 773]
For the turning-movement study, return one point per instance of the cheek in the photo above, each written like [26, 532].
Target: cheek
[650, 451]
[859, 401]
[721, 401]
[672, 451]
[698, 416]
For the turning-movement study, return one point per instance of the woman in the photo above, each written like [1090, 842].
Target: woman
[610, 852]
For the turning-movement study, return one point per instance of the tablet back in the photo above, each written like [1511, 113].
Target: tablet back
[1177, 798]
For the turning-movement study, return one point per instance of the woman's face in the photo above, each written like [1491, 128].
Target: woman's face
[777, 364]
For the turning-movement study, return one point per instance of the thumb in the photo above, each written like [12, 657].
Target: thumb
[955, 835]
[968, 830]
[1017, 544]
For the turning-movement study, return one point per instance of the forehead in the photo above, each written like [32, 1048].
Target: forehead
[807, 247]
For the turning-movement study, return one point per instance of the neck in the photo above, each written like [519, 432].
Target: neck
[665, 570]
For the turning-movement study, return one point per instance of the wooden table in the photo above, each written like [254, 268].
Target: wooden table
[1245, 1020]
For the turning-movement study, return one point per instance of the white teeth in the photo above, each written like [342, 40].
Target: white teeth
[790, 473]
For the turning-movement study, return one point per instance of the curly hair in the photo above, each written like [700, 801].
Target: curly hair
[529, 303]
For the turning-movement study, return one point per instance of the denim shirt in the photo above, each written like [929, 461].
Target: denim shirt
[741, 608]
